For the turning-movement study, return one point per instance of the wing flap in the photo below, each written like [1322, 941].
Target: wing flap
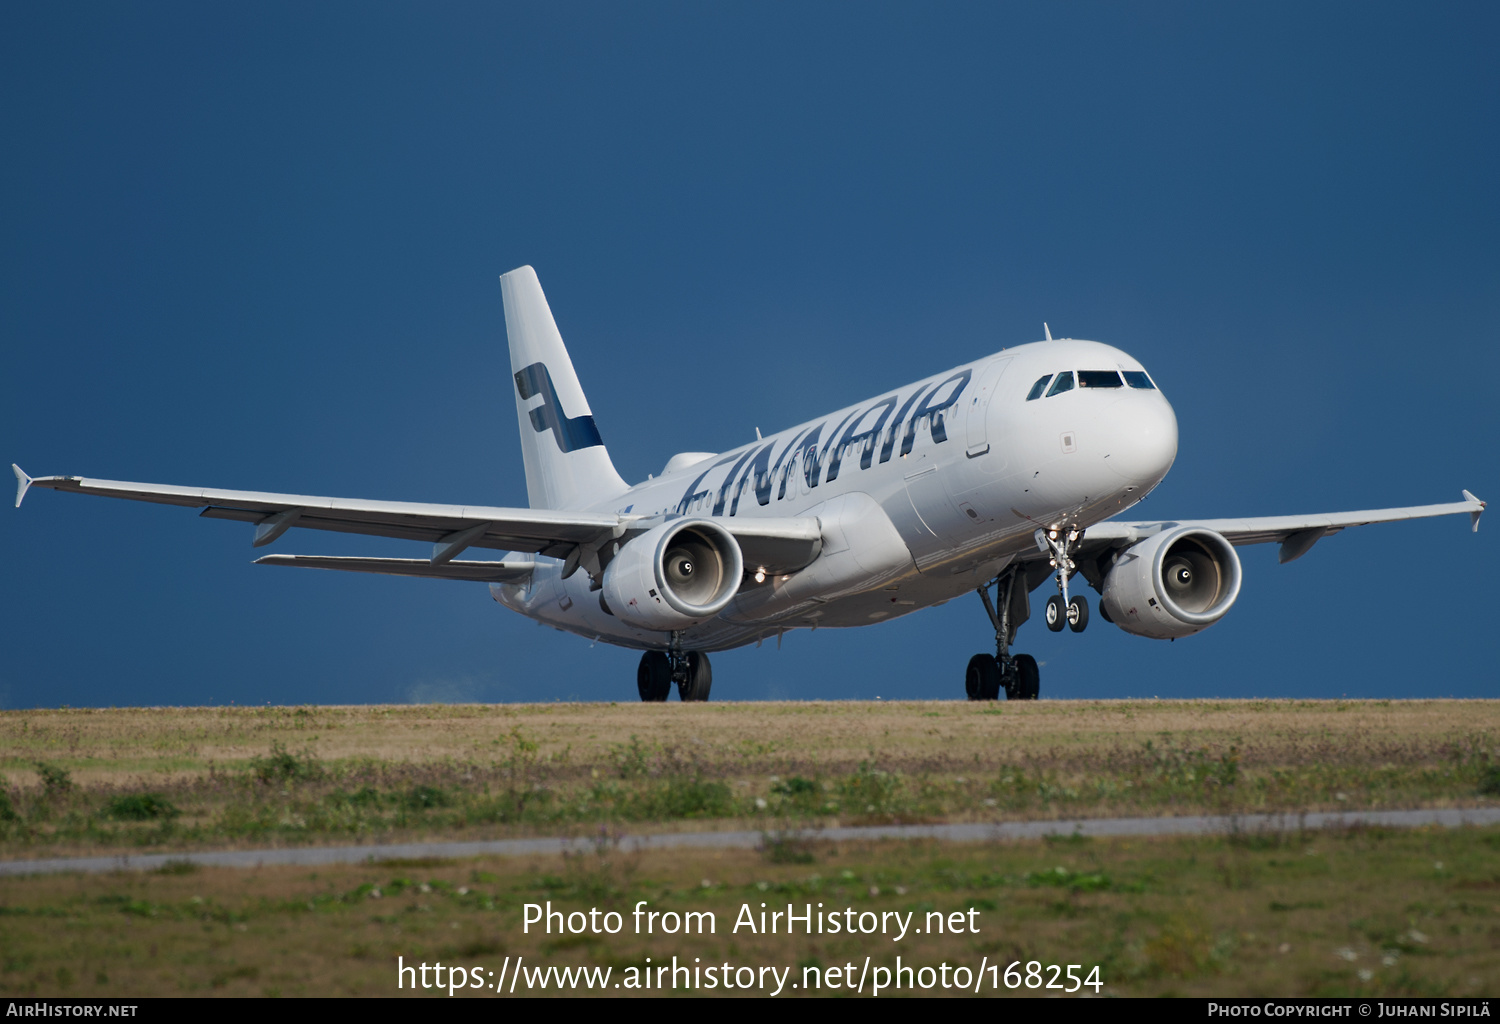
[511, 571]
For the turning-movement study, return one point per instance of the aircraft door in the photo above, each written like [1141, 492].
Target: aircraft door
[977, 414]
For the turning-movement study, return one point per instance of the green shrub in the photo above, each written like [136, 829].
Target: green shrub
[141, 807]
[55, 781]
[365, 796]
[283, 766]
[794, 787]
[423, 798]
[1062, 878]
[7, 809]
[631, 759]
[1489, 781]
[787, 849]
[685, 798]
[869, 788]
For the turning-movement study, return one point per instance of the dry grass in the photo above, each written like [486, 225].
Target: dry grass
[110, 745]
[1366, 912]
[274, 775]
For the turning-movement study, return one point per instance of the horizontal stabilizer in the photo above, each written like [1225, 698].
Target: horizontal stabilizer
[512, 571]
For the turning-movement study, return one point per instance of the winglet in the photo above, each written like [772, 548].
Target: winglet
[1047, 331]
[22, 482]
[1474, 516]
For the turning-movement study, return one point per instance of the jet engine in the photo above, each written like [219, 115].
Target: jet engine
[1177, 583]
[674, 576]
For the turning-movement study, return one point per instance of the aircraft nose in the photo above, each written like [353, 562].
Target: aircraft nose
[1143, 440]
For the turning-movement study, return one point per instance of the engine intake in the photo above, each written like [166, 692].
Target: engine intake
[1177, 583]
[674, 576]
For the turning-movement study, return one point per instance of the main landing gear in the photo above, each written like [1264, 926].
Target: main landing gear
[989, 674]
[690, 670]
[1017, 674]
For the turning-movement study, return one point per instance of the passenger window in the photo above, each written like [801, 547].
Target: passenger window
[1138, 379]
[1098, 379]
[1038, 388]
[1063, 383]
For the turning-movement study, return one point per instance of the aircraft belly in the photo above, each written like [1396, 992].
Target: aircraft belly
[569, 605]
[924, 590]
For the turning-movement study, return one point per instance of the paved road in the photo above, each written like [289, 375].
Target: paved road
[967, 833]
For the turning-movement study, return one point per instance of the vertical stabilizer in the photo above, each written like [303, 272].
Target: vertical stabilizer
[567, 466]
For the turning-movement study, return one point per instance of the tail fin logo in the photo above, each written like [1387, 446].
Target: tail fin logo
[571, 433]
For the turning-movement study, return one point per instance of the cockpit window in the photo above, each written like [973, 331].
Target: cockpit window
[1098, 379]
[1138, 379]
[1063, 383]
[1038, 388]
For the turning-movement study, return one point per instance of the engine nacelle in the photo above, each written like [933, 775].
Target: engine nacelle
[674, 576]
[1176, 583]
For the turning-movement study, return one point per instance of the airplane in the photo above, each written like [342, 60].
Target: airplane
[1003, 474]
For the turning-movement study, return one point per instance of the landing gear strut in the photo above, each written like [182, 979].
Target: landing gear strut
[690, 670]
[1063, 610]
[1017, 674]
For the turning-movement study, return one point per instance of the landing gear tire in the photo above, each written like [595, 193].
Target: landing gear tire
[982, 680]
[1016, 675]
[1028, 679]
[700, 678]
[654, 677]
[1057, 613]
[1078, 614]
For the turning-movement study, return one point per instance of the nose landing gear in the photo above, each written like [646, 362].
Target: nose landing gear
[690, 670]
[988, 675]
[1061, 609]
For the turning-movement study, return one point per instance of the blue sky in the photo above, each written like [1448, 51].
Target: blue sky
[256, 246]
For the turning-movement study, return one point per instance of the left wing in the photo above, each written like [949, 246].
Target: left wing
[449, 528]
[787, 544]
[1297, 534]
[509, 571]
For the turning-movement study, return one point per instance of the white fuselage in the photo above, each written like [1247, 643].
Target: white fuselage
[925, 492]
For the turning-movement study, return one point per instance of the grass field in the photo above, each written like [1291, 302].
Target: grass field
[1363, 911]
[93, 780]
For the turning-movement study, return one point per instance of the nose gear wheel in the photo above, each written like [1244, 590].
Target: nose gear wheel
[1078, 614]
[1057, 613]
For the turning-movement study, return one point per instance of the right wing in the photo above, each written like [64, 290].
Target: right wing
[1296, 534]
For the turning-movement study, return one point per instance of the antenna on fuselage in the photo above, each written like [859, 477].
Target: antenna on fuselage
[1046, 330]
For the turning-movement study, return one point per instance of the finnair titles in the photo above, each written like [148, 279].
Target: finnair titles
[999, 477]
